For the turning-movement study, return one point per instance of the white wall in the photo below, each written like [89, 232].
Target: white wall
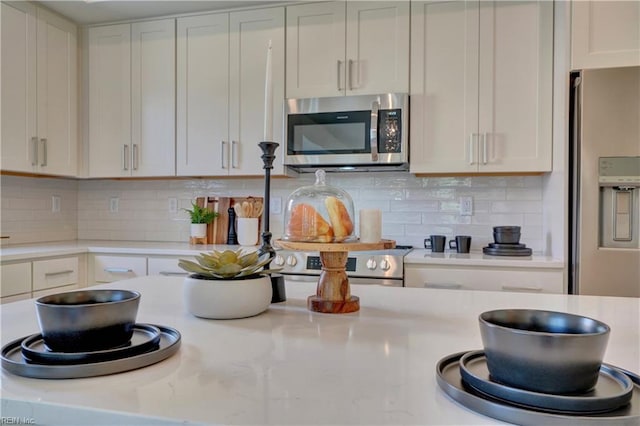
[413, 207]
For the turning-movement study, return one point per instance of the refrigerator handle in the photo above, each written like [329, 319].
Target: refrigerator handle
[575, 186]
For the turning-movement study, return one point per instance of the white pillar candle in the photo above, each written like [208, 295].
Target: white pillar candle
[370, 225]
[268, 100]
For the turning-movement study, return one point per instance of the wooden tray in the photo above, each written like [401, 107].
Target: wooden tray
[218, 230]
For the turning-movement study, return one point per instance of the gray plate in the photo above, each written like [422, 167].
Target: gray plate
[14, 362]
[506, 252]
[450, 381]
[613, 389]
[145, 338]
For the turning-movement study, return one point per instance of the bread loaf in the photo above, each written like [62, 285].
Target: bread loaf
[339, 218]
[306, 224]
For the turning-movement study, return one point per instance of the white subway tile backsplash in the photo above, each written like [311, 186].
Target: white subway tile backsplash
[413, 207]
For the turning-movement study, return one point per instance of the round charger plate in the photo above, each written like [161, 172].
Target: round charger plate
[144, 338]
[507, 252]
[450, 381]
[613, 389]
[14, 362]
[507, 246]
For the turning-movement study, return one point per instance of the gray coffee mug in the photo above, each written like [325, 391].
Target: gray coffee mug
[462, 243]
[435, 243]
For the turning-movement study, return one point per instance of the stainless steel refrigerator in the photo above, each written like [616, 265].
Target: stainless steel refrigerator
[604, 156]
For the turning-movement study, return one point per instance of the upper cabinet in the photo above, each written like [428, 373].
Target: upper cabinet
[481, 86]
[352, 47]
[221, 70]
[132, 99]
[605, 34]
[39, 91]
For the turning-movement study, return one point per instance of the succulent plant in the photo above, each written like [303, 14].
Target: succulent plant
[228, 264]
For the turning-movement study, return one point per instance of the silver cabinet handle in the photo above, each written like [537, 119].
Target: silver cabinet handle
[339, 64]
[173, 274]
[125, 157]
[135, 156]
[350, 76]
[222, 154]
[66, 271]
[471, 146]
[373, 137]
[484, 148]
[43, 141]
[118, 270]
[234, 157]
[34, 151]
[518, 288]
[444, 286]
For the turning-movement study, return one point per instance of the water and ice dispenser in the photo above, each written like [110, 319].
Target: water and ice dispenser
[619, 181]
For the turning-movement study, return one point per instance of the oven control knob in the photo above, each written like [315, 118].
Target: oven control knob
[385, 265]
[291, 260]
[371, 263]
[279, 260]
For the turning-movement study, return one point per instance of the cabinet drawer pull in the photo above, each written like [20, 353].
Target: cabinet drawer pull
[443, 286]
[34, 151]
[43, 141]
[339, 63]
[66, 271]
[173, 274]
[484, 148]
[518, 288]
[222, 154]
[135, 156]
[350, 74]
[471, 146]
[118, 270]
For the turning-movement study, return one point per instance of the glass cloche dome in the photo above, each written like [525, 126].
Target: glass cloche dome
[319, 213]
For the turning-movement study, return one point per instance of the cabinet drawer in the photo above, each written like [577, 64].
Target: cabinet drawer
[16, 279]
[107, 269]
[167, 266]
[53, 273]
[488, 279]
[49, 291]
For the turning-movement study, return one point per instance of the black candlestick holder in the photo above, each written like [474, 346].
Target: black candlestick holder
[277, 280]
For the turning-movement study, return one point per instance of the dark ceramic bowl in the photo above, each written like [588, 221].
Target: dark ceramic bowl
[543, 351]
[506, 234]
[87, 320]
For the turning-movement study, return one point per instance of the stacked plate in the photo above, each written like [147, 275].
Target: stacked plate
[614, 400]
[507, 242]
[29, 356]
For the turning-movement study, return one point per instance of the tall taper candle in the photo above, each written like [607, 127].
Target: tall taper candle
[268, 100]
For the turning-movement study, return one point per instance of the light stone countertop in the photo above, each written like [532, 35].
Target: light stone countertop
[292, 366]
[427, 257]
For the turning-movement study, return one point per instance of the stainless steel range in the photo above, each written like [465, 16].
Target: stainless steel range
[382, 267]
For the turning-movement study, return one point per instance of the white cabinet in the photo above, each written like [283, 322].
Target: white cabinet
[39, 91]
[481, 86]
[167, 265]
[353, 47]
[605, 34]
[107, 268]
[221, 69]
[132, 99]
[40, 277]
[526, 280]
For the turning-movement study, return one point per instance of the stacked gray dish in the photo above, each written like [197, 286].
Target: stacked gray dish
[506, 242]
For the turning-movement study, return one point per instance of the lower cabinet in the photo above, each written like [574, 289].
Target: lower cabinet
[107, 268]
[526, 280]
[38, 278]
[167, 266]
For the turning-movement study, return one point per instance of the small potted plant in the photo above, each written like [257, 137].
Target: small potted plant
[227, 284]
[200, 218]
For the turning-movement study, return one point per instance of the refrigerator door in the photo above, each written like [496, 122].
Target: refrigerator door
[606, 124]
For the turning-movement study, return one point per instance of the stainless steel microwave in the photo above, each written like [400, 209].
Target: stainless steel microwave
[365, 132]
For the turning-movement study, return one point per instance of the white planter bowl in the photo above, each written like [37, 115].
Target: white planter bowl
[219, 299]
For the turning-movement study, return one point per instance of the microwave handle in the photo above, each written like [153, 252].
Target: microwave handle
[375, 106]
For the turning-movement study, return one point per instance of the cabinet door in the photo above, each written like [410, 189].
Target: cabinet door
[107, 269]
[16, 279]
[377, 55]
[203, 95]
[444, 87]
[110, 101]
[515, 86]
[153, 146]
[167, 266]
[18, 87]
[605, 34]
[250, 35]
[316, 50]
[51, 273]
[57, 94]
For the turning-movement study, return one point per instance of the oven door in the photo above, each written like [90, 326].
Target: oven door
[390, 282]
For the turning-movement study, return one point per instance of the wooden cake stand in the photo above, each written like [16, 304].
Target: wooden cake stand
[333, 295]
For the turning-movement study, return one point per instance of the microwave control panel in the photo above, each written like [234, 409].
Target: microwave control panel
[389, 130]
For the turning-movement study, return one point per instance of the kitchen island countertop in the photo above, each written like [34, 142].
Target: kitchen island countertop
[292, 366]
